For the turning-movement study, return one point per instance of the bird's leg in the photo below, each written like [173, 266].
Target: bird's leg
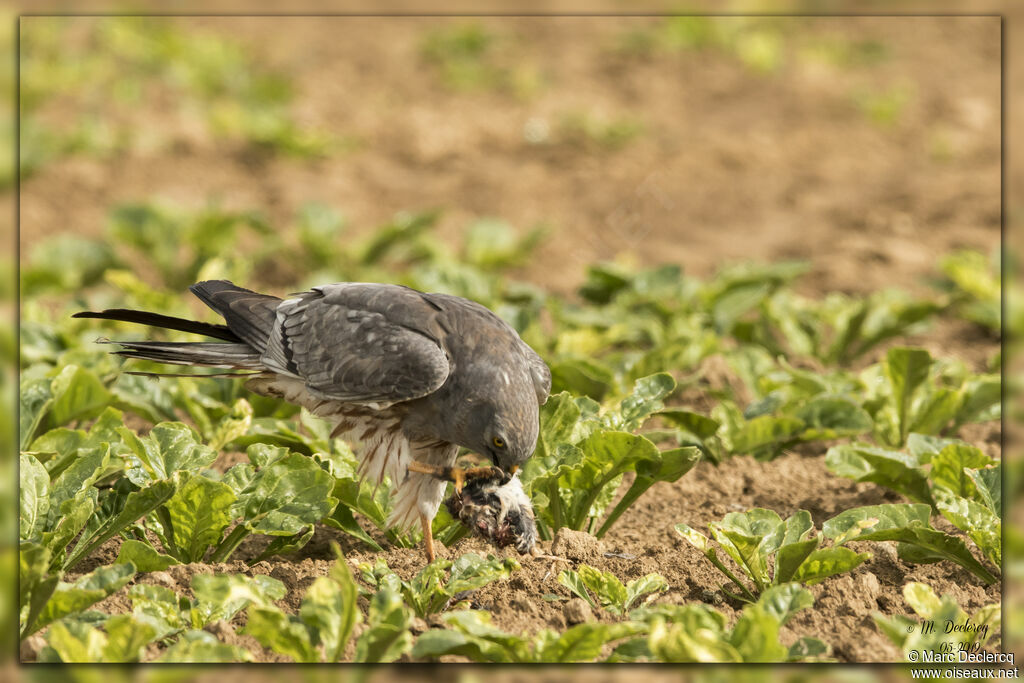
[428, 538]
[458, 475]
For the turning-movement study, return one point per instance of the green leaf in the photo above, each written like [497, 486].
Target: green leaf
[199, 511]
[893, 469]
[981, 399]
[127, 637]
[581, 643]
[701, 426]
[34, 491]
[137, 505]
[750, 538]
[571, 580]
[87, 590]
[275, 631]
[35, 583]
[285, 496]
[644, 401]
[948, 468]
[77, 395]
[577, 482]
[161, 605]
[143, 556]
[35, 402]
[906, 370]
[924, 446]
[479, 642]
[323, 611]
[667, 466]
[766, 433]
[80, 475]
[610, 592]
[168, 448]
[855, 523]
[387, 636]
[470, 572]
[76, 642]
[343, 519]
[826, 562]
[808, 648]
[988, 483]
[785, 600]
[582, 376]
[75, 514]
[756, 635]
[221, 596]
[906, 523]
[200, 647]
[650, 585]
[934, 413]
[922, 599]
[677, 643]
[558, 417]
[341, 574]
[982, 525]
[790, 557]
[233, 425]
[438, 642]
[832, 417]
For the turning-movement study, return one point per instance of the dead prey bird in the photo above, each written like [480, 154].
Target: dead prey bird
[492, 504]
[410, 376]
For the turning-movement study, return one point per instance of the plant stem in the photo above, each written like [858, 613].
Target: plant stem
[229, 544]
[640, 485]
[722, 568]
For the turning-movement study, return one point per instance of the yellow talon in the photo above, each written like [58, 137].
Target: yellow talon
[457, 475]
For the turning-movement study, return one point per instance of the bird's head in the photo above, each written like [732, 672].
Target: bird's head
[505, 429]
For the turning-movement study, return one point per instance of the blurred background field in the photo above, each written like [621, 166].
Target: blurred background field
[868, 146]
[501, 158]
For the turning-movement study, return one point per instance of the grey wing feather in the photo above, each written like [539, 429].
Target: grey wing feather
[359, 343]
[248, 314]
[540, 373]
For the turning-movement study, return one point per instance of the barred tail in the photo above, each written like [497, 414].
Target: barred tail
[232, 352]
[208, 354]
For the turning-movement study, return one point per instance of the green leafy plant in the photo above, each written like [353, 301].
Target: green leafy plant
[122, 62]
[583, 453]
[160, 615]
[430, 591]
[667, 633]
[471, 635]
[909, 525]
[954, 478]
[610, 592]
[770, 551]
[911, 392]
[907, 634]
[837, 329]
[45, 598]
[327, 619]
[697, 633]
[974, 283]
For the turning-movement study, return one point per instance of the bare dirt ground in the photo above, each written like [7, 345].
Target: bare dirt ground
[730, 164]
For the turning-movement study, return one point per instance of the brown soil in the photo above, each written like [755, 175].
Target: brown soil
[731, 165]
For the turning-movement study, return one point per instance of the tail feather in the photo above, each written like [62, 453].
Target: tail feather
[210, 354]
[128, 315]
[249, 315]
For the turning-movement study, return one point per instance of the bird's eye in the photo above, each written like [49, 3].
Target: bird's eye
[498, 442]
